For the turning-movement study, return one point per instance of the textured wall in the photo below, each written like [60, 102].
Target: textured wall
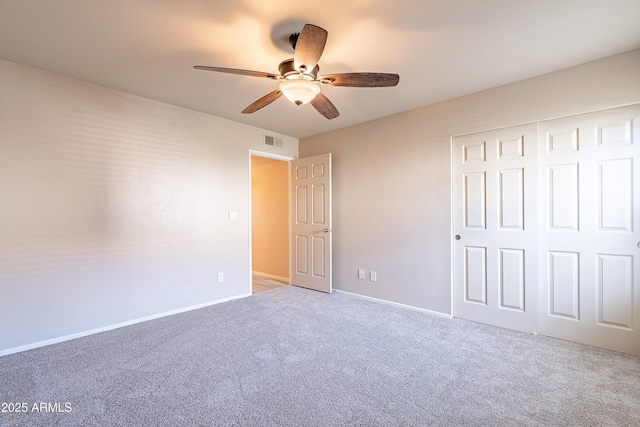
[114, 207]
[392, 176]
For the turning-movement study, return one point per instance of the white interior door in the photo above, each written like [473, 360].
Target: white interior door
[590, 229]
[495, 245]
[311, 228]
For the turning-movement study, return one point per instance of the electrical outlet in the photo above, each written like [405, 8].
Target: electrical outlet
[220, 277]
[373, 276]
[361, 273]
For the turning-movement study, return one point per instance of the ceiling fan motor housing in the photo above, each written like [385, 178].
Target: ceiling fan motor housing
[287, 70]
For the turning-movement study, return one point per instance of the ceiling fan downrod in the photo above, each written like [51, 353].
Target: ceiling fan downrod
[293, 40]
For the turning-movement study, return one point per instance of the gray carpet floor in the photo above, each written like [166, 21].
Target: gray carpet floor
[293, 357]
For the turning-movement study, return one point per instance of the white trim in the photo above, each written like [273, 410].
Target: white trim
[271, 155]
[451, 236]
[116, 326]
[271, 276]
[397, 304]
[276, 157]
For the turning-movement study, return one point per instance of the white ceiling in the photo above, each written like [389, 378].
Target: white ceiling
[440, 48]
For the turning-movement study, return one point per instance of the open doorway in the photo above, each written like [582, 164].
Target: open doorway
[270, 224]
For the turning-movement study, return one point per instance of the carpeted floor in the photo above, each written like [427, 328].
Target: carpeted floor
[293, 357]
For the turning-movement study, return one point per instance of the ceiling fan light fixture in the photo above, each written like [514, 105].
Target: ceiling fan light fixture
[299, 91]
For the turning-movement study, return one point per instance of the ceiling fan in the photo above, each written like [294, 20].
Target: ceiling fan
[299, 80]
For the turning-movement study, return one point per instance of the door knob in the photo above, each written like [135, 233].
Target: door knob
[457, 237]
[326, 230]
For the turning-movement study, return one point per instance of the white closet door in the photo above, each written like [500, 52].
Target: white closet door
[590, 228]
[495, 227]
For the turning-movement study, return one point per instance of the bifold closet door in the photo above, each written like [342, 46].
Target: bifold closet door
[495, 227]
[590, 228]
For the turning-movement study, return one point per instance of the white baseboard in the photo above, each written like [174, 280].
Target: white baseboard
[64, 338]
[397, 304]
[271, 276]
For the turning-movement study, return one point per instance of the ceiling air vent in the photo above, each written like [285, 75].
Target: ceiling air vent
[273, 141]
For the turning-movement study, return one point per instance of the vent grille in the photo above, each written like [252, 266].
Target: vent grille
[273, 141]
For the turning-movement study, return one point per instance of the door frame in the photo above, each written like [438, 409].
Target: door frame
[274, 156]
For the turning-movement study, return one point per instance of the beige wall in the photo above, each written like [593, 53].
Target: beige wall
[270, 213]
[392, 176]
[114, 208]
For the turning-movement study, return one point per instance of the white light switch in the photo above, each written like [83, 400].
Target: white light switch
[233, 215]
[373, 276]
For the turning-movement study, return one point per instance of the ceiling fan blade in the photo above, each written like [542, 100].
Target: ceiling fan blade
[309, 47]
[263, 102]
[237, 71]
[325, 107]
[361, 79]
